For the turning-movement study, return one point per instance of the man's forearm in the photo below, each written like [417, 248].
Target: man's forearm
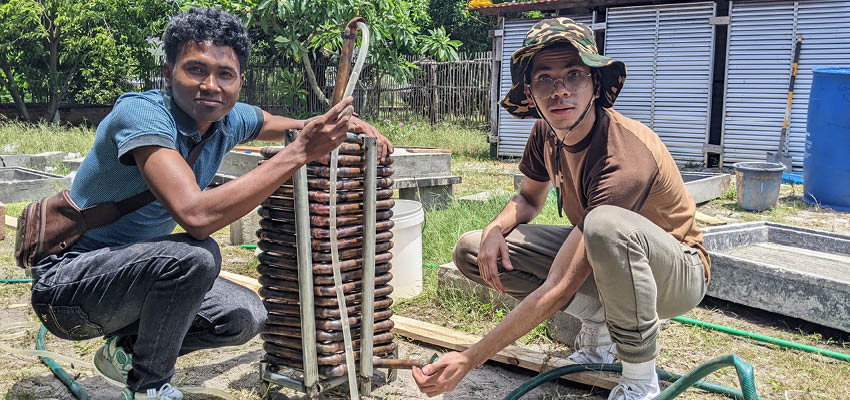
[569, 271]
[518, 211]
[245, 192]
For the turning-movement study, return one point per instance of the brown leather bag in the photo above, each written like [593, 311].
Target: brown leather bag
[51, 225]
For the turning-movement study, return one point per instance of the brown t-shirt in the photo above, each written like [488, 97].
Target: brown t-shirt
[621, 162]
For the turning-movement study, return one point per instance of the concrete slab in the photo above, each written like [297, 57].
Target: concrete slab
[21, 184]
[562, 327]
[798, 272]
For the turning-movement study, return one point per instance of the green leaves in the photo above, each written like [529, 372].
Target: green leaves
[440, 46]
[84, 50]
[316, 26]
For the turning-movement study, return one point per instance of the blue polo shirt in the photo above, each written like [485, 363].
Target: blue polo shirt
[109, 171]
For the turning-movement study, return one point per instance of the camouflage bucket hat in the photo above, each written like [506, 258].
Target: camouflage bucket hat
[558, 30]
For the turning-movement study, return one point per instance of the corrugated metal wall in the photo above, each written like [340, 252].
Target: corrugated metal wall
[668, 52]
[761, 41]
[513, 132]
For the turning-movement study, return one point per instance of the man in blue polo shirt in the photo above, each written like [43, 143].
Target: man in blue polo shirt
[154, 294]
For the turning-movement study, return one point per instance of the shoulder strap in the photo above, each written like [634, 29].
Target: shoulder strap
[107, 213]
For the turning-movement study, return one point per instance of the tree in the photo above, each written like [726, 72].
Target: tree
[52, 48]
[15, 37]
[308, 29]
[460, 23]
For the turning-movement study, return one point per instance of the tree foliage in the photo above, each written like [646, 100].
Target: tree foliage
[89, 50]
[312, 29]
[458, 22]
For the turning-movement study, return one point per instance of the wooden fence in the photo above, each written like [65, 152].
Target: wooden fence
[455, 91]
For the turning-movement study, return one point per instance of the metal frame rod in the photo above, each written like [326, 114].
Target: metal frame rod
[367, 329]
[305, 278]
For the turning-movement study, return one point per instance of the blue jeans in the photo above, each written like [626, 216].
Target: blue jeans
[164, 291]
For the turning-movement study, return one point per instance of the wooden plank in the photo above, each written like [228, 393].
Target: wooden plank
[513, 355]
[422, 150]
[708, 219]
[11, 222]
[253, 149]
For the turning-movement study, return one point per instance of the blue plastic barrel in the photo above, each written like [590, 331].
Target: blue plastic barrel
[826, 165]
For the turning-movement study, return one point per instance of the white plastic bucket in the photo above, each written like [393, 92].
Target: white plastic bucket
[408, 217]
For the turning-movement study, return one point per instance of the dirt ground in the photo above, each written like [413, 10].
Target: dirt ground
[234, 369]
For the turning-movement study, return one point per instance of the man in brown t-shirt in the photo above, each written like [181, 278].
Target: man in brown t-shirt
[633, 227]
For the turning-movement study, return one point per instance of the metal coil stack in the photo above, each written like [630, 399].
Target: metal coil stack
[279, 264]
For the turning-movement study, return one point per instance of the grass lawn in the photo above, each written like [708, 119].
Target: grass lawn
[780, 373]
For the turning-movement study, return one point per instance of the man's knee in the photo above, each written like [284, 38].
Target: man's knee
[465, 253]
[603, 227]
[247, 320]
[202, 258]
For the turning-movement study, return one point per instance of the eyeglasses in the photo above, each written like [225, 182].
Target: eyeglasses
[544, 86]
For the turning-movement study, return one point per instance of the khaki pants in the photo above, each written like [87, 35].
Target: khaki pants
[640, 274]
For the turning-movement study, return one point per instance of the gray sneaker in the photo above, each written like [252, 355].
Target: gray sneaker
[113, 361]
[166, 392]
[593, 345]
[634, 390]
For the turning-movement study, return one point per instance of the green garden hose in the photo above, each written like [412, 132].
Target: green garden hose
[764, 338]
[60, 373]
[680, 383]
[16, 280]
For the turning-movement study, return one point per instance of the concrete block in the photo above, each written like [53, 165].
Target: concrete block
[562, 327]
[74, 163]
[15, 160]
[429, 196]
[3, 213]
[797, 272]
[238, 163]
[706, 186]
[419, 164]
[244, 230]
[518, 180]
[20, 184]
[42, 160]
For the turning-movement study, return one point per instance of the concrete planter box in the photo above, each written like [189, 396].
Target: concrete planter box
[706, 186]
[20, 184]
[798, 272]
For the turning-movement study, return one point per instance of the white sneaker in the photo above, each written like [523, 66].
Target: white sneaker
[593, 345]
[635, 390]
[166, 392]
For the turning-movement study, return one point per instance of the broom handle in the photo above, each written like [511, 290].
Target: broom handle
[783, 146]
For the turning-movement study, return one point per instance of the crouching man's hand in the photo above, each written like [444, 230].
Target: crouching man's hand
[385, 148]
[443, 375]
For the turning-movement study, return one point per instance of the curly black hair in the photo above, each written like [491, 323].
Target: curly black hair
[202, 24]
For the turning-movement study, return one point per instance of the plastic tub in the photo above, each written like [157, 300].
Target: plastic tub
[758, 184]
[408, 217]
